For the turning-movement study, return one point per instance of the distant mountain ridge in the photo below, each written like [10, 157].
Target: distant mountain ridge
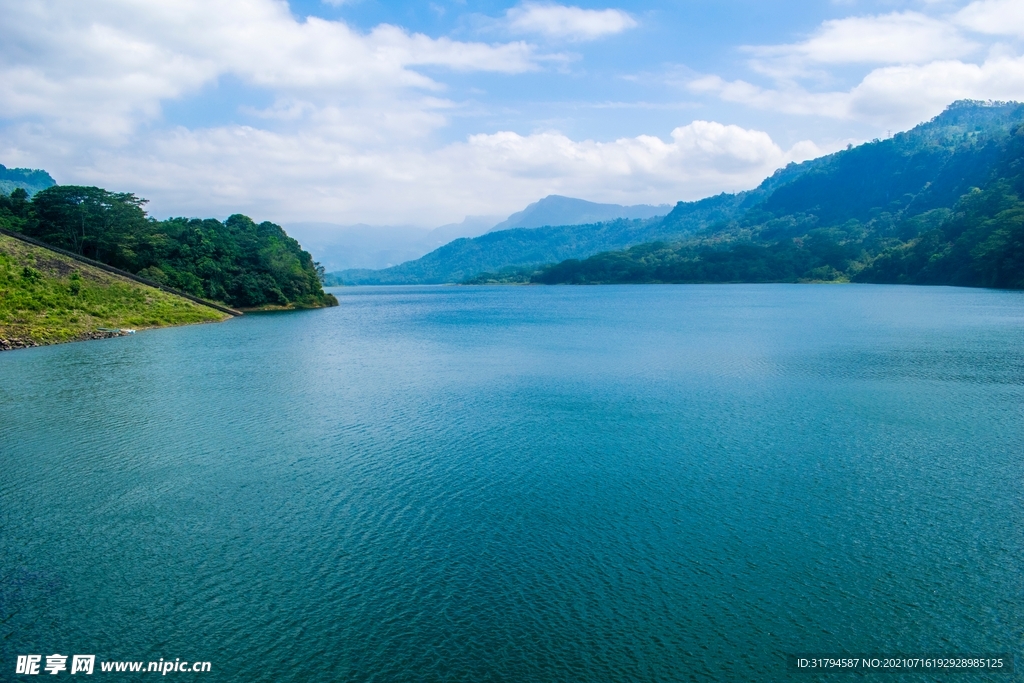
[525, 247]
[374, 247]
[463, 258]
[520, 248]
[558, 210]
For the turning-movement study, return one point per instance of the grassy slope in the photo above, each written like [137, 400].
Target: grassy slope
[39, 303]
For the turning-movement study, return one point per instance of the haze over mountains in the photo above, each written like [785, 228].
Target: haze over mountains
[340, 247]
[343, 247]
[557, 210]
[879, 212]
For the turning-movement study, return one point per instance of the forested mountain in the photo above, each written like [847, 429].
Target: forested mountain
[940, 204]
[527, 247]
[513, 252]
[361, 249]
[465, 257]
[28, 179]
[238, 262]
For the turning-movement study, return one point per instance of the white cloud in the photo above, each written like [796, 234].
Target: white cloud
[348, 136]
[106, 65]
[996, 17]
[573, 23]
[320, 174]
[791, 100]
[896, 97]
[896, 38]
[705, 152]
[929, 87]
[916, 65]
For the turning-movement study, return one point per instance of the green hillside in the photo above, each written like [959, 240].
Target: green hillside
[48, 298]
[239, 262]
[940, 204]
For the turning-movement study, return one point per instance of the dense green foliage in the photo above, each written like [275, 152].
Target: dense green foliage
[47, 298]
[980, 245]
[940, 204]
[239, 262]
[506, 276]
[15, 209]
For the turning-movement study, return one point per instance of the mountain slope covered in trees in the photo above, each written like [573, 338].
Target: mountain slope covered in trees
[239, 262]
[854, 204]
[532, 247]
[940, 204]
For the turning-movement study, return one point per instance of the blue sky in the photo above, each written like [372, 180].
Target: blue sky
[609, 87]
[425, 112]
[605, 89]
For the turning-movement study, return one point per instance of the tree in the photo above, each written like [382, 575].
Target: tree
[87, 220]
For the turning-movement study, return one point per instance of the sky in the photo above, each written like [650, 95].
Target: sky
[421, 113]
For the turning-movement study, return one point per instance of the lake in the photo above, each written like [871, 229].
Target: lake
[637, 483]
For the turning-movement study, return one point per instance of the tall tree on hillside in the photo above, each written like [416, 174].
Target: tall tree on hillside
[87, 220]
[14, 209]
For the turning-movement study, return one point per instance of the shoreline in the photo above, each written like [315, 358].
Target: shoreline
[13, 343]
[274, 308]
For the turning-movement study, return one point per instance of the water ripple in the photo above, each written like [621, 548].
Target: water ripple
[524, 484]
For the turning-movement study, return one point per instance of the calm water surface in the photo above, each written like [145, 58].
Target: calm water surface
[524, 484]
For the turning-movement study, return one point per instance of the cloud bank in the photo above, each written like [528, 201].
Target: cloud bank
[314, 175]
[107, 65]
[347, 135]
[919, 64]
[343, 123]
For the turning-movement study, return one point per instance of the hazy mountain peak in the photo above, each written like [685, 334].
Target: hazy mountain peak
[558, 210]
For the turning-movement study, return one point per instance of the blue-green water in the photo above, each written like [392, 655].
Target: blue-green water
[523, 484]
